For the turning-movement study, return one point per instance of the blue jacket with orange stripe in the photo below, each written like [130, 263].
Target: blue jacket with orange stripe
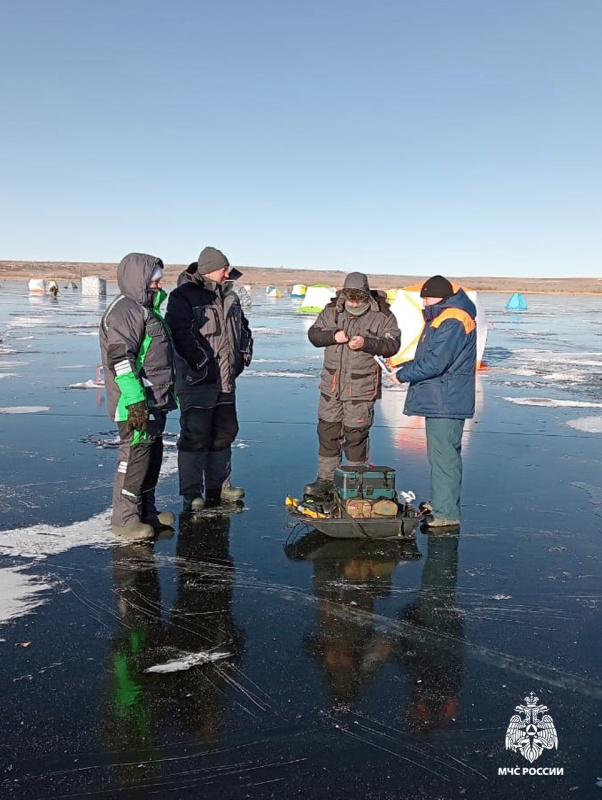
[442, 373]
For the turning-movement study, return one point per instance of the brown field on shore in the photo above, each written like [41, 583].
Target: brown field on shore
[285, 278]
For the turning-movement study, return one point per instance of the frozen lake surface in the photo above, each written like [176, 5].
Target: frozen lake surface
[240, 659]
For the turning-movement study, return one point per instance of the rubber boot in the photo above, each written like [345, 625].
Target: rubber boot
[135, 532]
[320, 488]
[162, 519]
[231, 494]
[192, 504]
[432, 521]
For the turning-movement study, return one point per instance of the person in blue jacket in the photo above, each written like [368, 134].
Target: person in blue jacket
[441, 380]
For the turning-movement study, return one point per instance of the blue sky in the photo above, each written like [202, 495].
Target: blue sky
[410, 137]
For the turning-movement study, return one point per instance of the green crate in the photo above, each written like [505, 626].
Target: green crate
[369, 483]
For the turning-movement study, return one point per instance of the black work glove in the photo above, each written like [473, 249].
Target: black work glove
[138, 416]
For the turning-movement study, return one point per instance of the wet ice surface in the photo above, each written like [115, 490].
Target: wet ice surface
[226, 662]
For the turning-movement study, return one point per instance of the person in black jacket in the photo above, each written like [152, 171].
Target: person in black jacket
[213, 345]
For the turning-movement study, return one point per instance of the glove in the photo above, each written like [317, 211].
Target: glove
[138, 416]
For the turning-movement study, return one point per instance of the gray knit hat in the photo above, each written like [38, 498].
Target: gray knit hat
[210, 260]
[357, 280]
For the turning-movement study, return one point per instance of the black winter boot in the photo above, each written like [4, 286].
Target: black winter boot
[320, 488]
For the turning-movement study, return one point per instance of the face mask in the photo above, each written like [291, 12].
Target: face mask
[357, 311]
[158, 297]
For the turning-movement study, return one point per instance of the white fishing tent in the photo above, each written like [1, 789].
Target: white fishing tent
[272, 291]
[299, 290]
[316, 298]
[93, 286]
[407, 308]
[37, 285]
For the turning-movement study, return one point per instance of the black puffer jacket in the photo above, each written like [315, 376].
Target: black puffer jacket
[211, 336]
[354, 374]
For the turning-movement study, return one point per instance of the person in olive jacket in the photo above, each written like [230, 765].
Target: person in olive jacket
[137, 356]
[441, 379]
[356, 326]
[213, 345]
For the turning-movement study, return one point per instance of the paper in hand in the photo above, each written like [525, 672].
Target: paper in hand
[385, 368]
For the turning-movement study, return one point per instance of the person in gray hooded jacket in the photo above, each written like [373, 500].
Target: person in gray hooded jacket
[356, 326]
[213, 344]
[137, 356]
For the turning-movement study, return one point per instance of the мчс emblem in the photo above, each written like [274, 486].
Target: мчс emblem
[529, 734]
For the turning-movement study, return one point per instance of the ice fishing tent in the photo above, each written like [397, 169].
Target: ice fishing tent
[272, 291]
[269, 289]
[316, 298]
[516, 303]
[244, 297]
[94, 286]
[407, 308]
[37, 285]
[299, 290]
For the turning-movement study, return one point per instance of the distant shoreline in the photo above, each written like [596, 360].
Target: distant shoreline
[286, 278]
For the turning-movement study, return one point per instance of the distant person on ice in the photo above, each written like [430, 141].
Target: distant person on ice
[213, 344]
[137, 356]
[353, 328]
[442, 389]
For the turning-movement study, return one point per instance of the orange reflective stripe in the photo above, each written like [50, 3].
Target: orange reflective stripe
[455, 313]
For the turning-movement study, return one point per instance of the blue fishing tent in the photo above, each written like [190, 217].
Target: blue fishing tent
[516, 303]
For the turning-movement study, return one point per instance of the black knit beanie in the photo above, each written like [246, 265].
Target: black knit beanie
[437, 286]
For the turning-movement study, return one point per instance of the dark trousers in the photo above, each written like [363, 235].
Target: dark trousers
[138, 466]
[204, 449]
[444, 452]
[343, 426]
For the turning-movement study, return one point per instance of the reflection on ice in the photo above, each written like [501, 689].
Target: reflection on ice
[20, 593]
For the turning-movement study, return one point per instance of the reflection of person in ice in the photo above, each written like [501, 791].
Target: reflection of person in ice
[345, 642]
[142, 703]
[131, 721]
[201, 622]
[431, 649]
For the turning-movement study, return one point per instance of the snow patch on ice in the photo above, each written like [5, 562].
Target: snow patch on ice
[89, 384]
[549, 402]
[262, 331]
[189, 660]
[586, 424]
[19, 593]
[8, 375]
[23, 409]
[27, 322]
[40, 541]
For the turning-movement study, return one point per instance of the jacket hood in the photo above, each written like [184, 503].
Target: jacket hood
[201, 280]
[133, 277]
[187, 276]
[458, 300]
[373, 305]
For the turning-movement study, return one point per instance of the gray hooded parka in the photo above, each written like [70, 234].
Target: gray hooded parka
[135, 343]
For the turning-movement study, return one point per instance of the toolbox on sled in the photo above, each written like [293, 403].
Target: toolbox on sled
[368, 483]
